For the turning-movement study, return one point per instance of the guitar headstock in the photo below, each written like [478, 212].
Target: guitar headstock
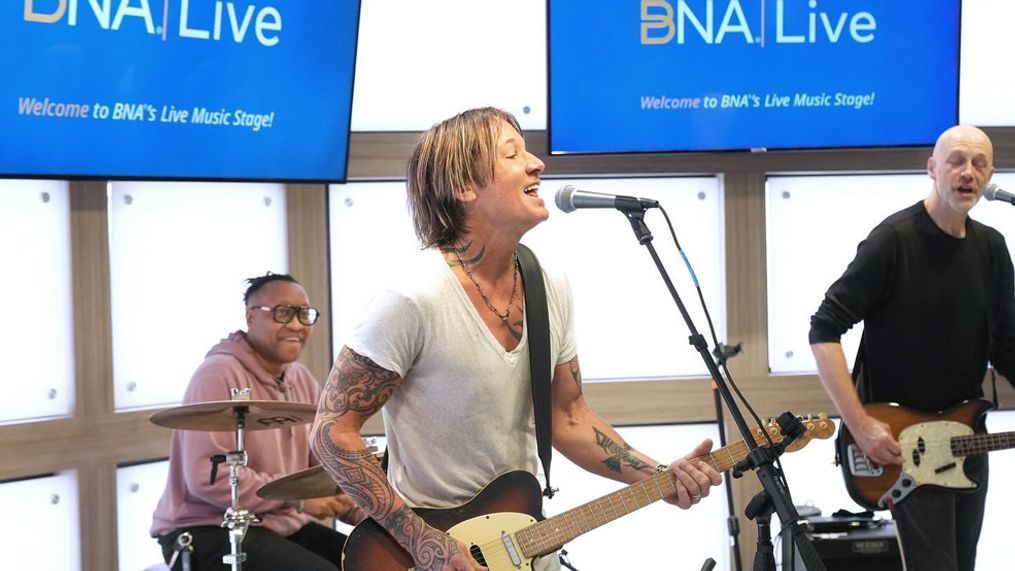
[814, 427]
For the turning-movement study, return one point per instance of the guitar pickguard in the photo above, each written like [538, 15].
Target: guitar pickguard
[491, 538]
[928, 459]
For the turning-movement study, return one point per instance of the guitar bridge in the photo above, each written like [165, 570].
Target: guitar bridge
[860, 465]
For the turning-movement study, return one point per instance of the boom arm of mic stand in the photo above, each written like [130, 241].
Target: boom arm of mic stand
[767, 472]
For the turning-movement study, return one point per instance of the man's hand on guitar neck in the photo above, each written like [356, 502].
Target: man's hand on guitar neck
[875, 439]
[693, 479]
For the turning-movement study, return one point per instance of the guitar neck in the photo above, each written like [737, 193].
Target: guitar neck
[980, 443]
[551, 534]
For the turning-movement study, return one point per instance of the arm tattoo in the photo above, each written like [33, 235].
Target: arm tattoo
[576, 372]
[356, 471]
[431, 548]
[356, 384]
[361, 477]
[619, 453]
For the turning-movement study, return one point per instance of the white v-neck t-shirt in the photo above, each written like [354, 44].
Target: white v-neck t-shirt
[462, 414]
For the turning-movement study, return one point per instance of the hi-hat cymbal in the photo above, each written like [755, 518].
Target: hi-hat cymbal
[220, 416]
[310, 483]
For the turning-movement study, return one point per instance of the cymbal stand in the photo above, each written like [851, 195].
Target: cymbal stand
[237, 518]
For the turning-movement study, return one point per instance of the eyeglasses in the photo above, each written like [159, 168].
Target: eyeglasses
[284, 313]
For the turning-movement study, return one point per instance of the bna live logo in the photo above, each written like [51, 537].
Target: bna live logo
[219, 20]
[717, 22]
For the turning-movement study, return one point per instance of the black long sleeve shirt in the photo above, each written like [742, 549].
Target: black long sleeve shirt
[935, 309]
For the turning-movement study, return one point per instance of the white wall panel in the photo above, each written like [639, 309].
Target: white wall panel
[37, 346]
[179, 254]
[138, 489]
[659, 536]
[418, 63]
[41, 529]
[986, 71]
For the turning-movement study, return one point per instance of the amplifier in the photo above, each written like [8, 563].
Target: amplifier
[873, 547]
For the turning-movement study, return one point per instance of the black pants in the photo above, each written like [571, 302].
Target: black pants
[313, 547]
[939, 528]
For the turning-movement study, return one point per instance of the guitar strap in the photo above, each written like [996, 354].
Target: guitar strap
[860, 380]
[989, 261]
[537, 323]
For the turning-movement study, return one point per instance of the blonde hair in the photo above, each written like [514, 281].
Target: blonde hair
[450, 156]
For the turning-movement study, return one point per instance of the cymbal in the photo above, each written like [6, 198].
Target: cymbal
[310, 483]
[220, 416]
[313, 482]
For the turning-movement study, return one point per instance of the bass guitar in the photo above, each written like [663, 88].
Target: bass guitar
[503, 524]
[934, 447]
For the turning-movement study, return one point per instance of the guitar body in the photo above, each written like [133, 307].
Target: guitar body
[507, 504]
[928, 458]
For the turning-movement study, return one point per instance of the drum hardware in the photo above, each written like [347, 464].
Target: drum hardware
[239, 414]
[182, 550]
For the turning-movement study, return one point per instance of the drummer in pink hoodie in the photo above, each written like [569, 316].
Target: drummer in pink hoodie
[262, 359]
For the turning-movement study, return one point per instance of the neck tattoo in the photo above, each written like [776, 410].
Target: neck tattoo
[506, 316]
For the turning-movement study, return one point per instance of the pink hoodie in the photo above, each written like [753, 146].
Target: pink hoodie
[188, 499]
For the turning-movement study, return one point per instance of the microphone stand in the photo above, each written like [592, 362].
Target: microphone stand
[760, 508]
[723, 353]
[760, 458]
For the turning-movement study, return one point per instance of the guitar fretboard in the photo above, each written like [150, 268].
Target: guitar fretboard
[980, 443]
[551, 534]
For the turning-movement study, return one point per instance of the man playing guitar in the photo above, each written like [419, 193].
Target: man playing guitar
[934, 289]
[445, 354]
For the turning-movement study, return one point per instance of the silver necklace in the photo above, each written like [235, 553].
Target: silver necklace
[514, 286]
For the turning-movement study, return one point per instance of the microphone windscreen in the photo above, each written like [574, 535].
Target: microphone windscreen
[990, 191]
[563, 199]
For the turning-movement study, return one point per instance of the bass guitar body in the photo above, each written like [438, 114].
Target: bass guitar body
[928, 452]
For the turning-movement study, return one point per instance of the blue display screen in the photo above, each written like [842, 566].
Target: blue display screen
[687, 75]
[177, 89]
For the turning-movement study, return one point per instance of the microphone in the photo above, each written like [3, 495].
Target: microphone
[994, 192]
[569, 199]
[709, 564]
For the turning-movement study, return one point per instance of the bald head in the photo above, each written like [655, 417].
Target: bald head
[964, 136]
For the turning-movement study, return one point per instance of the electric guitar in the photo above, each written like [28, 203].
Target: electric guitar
[503, 524]
[934, 447]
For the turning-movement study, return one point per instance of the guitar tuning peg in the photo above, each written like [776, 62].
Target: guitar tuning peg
[823, 415]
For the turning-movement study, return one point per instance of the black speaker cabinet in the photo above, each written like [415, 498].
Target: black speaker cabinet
[873, 547]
